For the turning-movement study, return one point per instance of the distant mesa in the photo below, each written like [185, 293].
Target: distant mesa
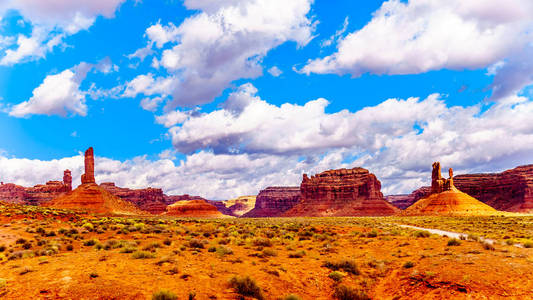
[235, 207]
[193, 209]
[274, 201]
[38, 194]
[149, 199]
[91, 197]
[446, 199]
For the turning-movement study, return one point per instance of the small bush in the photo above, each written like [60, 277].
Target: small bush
[223, 250]
[337, 276]
[2, 283]
[268, 253]
[488, 246]
[142, 255]
[343, 292]
[372, 234]
[70, 247]
[164, 295]
[292, 297]
[422, 233]
[167, 242]
[528, 244]
[195, 243]
[262, 242]
[297, 254]
[246, 286]
[454, 242]
[345, 265]
[408, 265]
[90, 242]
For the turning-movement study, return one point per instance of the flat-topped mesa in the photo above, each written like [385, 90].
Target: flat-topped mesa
[341, 192]
[88, 177]
[274, 201]
[149, 199]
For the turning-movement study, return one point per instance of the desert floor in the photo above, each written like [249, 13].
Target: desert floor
[57, 254]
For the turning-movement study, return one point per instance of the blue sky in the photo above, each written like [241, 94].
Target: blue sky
[224, 98]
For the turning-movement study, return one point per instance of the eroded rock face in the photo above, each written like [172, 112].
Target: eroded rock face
[193, 208]
[88, 177]
[274, 201]
[35, 195]
[342, 192]
[149, 199]
[404, 201]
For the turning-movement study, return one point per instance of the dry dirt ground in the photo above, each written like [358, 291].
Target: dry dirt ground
[56, 254]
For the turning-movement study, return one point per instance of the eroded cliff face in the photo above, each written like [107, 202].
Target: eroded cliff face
[150, 199]
[274, 201]
[193, 208]
[342, 192]
[511, 190]
[38, 194]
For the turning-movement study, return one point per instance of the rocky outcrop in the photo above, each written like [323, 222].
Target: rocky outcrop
[342, 192]
[274, 201]
[193, 209]
[91, 197]
[149, 199]
[175, 198]
[235, 207]
[38, 194]
[88, 177]
[511, 190]
[446, 199]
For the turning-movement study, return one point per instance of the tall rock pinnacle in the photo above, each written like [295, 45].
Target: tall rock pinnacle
[88, 177]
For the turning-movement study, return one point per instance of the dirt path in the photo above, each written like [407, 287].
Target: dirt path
[455, 235]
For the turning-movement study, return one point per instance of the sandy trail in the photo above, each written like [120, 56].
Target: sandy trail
[455, 235]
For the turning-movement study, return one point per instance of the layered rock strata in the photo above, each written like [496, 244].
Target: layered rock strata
[38, 194]
[274, 201]
[193, 209]
[342, 192]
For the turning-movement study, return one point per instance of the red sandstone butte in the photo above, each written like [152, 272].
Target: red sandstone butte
[38, 194]
[274, 201]
[511, 190]
[342, 192]
[193, 209]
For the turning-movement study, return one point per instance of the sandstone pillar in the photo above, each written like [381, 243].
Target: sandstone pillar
[88, 177]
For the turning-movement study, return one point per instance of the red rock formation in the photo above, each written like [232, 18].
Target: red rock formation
[274, 201]
[511, 190]
[88, 177]
[194, 209]
[343, 192]
[36, 195]
[404, 201]
[149, 199]
[446, 199]
[175, 198]
[234, 207]
[92, 198]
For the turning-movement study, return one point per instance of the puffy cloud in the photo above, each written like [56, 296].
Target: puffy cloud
[275, 71]
[151, 104]
[52, 21]
[226, 41]
[148, 85]
[60, 94]
[172, 118]
[419, 35]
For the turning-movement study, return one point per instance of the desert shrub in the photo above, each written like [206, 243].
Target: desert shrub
[292, 297]
[90, 242]
[152, 246]
[335, 275]
[164, 295]
[164, 259]
[26, 245]
[246, 286]
[70, 247]
[2, 248]
[343, 292]
[488, 246]
[2, 283]
[372, 234]
[454, 242]
[223, 250]
[262, 242]
[510, 242]
[345, 265]
[528, 244]
[473, 237]
[167, 242]
[192, 295]
[408, 265]
[268, 253]
[297, 254]
[196, 243]
[111, 244]
[421, 233]
[88, 226]
[142, 255]
[212, 249]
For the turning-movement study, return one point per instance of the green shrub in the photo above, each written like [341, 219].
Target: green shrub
[345, 265]
[528, 244]
[164, 295]
[335, 275]
[297, 254]
[262, 242]
[90, 242]
[246, 286]
[223, 250]
[142, 255]
[422, 233]
[195, 243]
[454, 242]
[343, 292]
[409, 265]
[268, 253]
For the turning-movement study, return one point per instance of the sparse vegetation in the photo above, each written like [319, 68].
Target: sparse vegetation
[343, 292]
[347, 266]
[246, 286]
[164, 295]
